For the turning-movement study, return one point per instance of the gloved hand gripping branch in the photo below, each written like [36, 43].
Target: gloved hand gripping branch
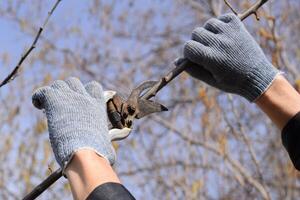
[77, 118]
[224, 55]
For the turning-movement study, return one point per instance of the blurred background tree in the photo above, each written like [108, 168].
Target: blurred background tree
[210, 145]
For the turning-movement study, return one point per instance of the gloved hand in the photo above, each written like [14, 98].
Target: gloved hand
[77, 118]
[224, 55]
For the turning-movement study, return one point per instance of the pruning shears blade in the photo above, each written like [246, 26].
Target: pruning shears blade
[147, 107]
[144, 107]
[136, 93]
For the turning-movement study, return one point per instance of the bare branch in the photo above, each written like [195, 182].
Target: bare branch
[230, 6]
[15, 71]
[44, 185]
[252, 10]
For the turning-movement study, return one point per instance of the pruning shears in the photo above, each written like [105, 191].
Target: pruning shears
[121, 113]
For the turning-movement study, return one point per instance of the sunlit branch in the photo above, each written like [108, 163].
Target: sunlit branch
[252, 10]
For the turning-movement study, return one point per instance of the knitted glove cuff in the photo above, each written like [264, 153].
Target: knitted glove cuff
[66, 146]
[258, 82]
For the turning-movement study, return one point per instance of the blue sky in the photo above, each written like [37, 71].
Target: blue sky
[73, 13]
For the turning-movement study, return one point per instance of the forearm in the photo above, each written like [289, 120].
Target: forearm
[280, 102]
[86, 171]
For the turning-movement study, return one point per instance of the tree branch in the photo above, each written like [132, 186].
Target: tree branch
[230, 6]
[44, 185]
[17, 68]
[252, 10]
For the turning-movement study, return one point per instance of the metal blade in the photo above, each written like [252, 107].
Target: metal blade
[147, 107]
[135, 94]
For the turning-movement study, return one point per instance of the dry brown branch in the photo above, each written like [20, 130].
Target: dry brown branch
[230, 6]
[15, 71]
[252, 10]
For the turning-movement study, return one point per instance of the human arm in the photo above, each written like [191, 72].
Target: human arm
[92, 176]
[79, 135]
[280, 102]
[86, 171]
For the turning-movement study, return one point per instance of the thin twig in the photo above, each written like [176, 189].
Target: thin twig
[17, 68]
[230, 6]
[252, 10]
[181, 65]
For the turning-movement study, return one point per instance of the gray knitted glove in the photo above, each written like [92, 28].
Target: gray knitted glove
[76, 118]
[224, 55]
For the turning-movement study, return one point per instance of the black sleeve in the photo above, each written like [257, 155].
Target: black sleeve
[110, 191]
[291, 139]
